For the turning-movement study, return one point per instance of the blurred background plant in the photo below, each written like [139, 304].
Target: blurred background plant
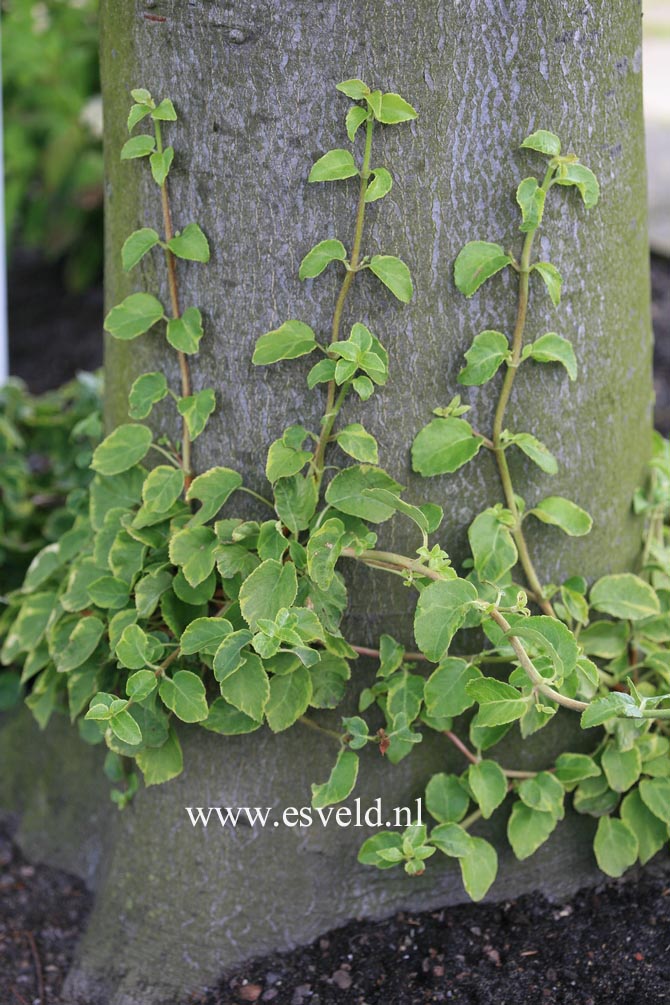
[46, 444]
[53, 133]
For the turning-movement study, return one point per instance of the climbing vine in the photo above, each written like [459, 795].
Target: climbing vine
[160, 605]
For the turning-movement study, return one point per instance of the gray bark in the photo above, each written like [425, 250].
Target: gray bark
[254, 83]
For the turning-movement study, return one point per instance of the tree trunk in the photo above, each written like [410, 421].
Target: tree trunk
[254, 86]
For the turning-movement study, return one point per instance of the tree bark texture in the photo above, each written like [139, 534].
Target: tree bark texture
[253, 82]
[254, 85]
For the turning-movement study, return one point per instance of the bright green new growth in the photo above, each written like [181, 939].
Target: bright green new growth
[158, 606]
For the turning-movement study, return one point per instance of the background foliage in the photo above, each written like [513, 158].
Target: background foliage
[53, 132]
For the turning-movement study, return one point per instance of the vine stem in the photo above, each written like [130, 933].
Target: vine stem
[171, 264]
[306, 721]
[333, 403]
[534, 675]
[473, 759]
[381, 558]
[503, 401]
[376, 654]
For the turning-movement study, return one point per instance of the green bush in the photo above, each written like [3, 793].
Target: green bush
[53, 132]
[46, 444]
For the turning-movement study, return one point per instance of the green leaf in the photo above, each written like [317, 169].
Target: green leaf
[380, 184]
[479, 868]
[655, 794]
[440, 612]
[268, 589]
[451, 839]
[395, 109]
[373, 850]
[190, 244]
[136, 246]
[212, 489]
[329, 681]
[583, 179]
[358, 443]
[195, 550]
[184, 694]
[45, 562]
[284, 461]
[394, 274]
[445, 693]
[247, 687]
[125, 728]
[609, 706]
[228, 657]
[615, 845]
[651, 833]
[528, 828]
[488, 785]
[323, 551]
[499, 702]
[347, 493]
[141, 684]
[133, 648]
[477, 262]
[446, 799]
[204, 635]
[543, 793]
[290, 696]
[340, 782]
[196, 410]
[295, 501]
[535, 449]
[138, 146]
[160, 164]
[544, 142]
[109, 592]
[134, 316]
[333, 166]
[548, 637]
[572, 768]
[291, 340]
[622, 767]
[356, 116]
[530, 198]
[553, 348]
[160, 764]
[122, 449]
[164, 112]
[363, 387]
[443, 446]
[143, 96]
[552, 280]
[136, 114]
[493, 547]
[184, 333]
[374, 101]
[82, 643]
[162, 487]
[572, 519]
[625, 596]
[316, 260]
[146, 390]
[488, 350]
[354, 89]
[227, 720]
[605, 639]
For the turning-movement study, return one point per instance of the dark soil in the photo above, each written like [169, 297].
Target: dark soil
[53, 333]
[42, 914]
[609, 946]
